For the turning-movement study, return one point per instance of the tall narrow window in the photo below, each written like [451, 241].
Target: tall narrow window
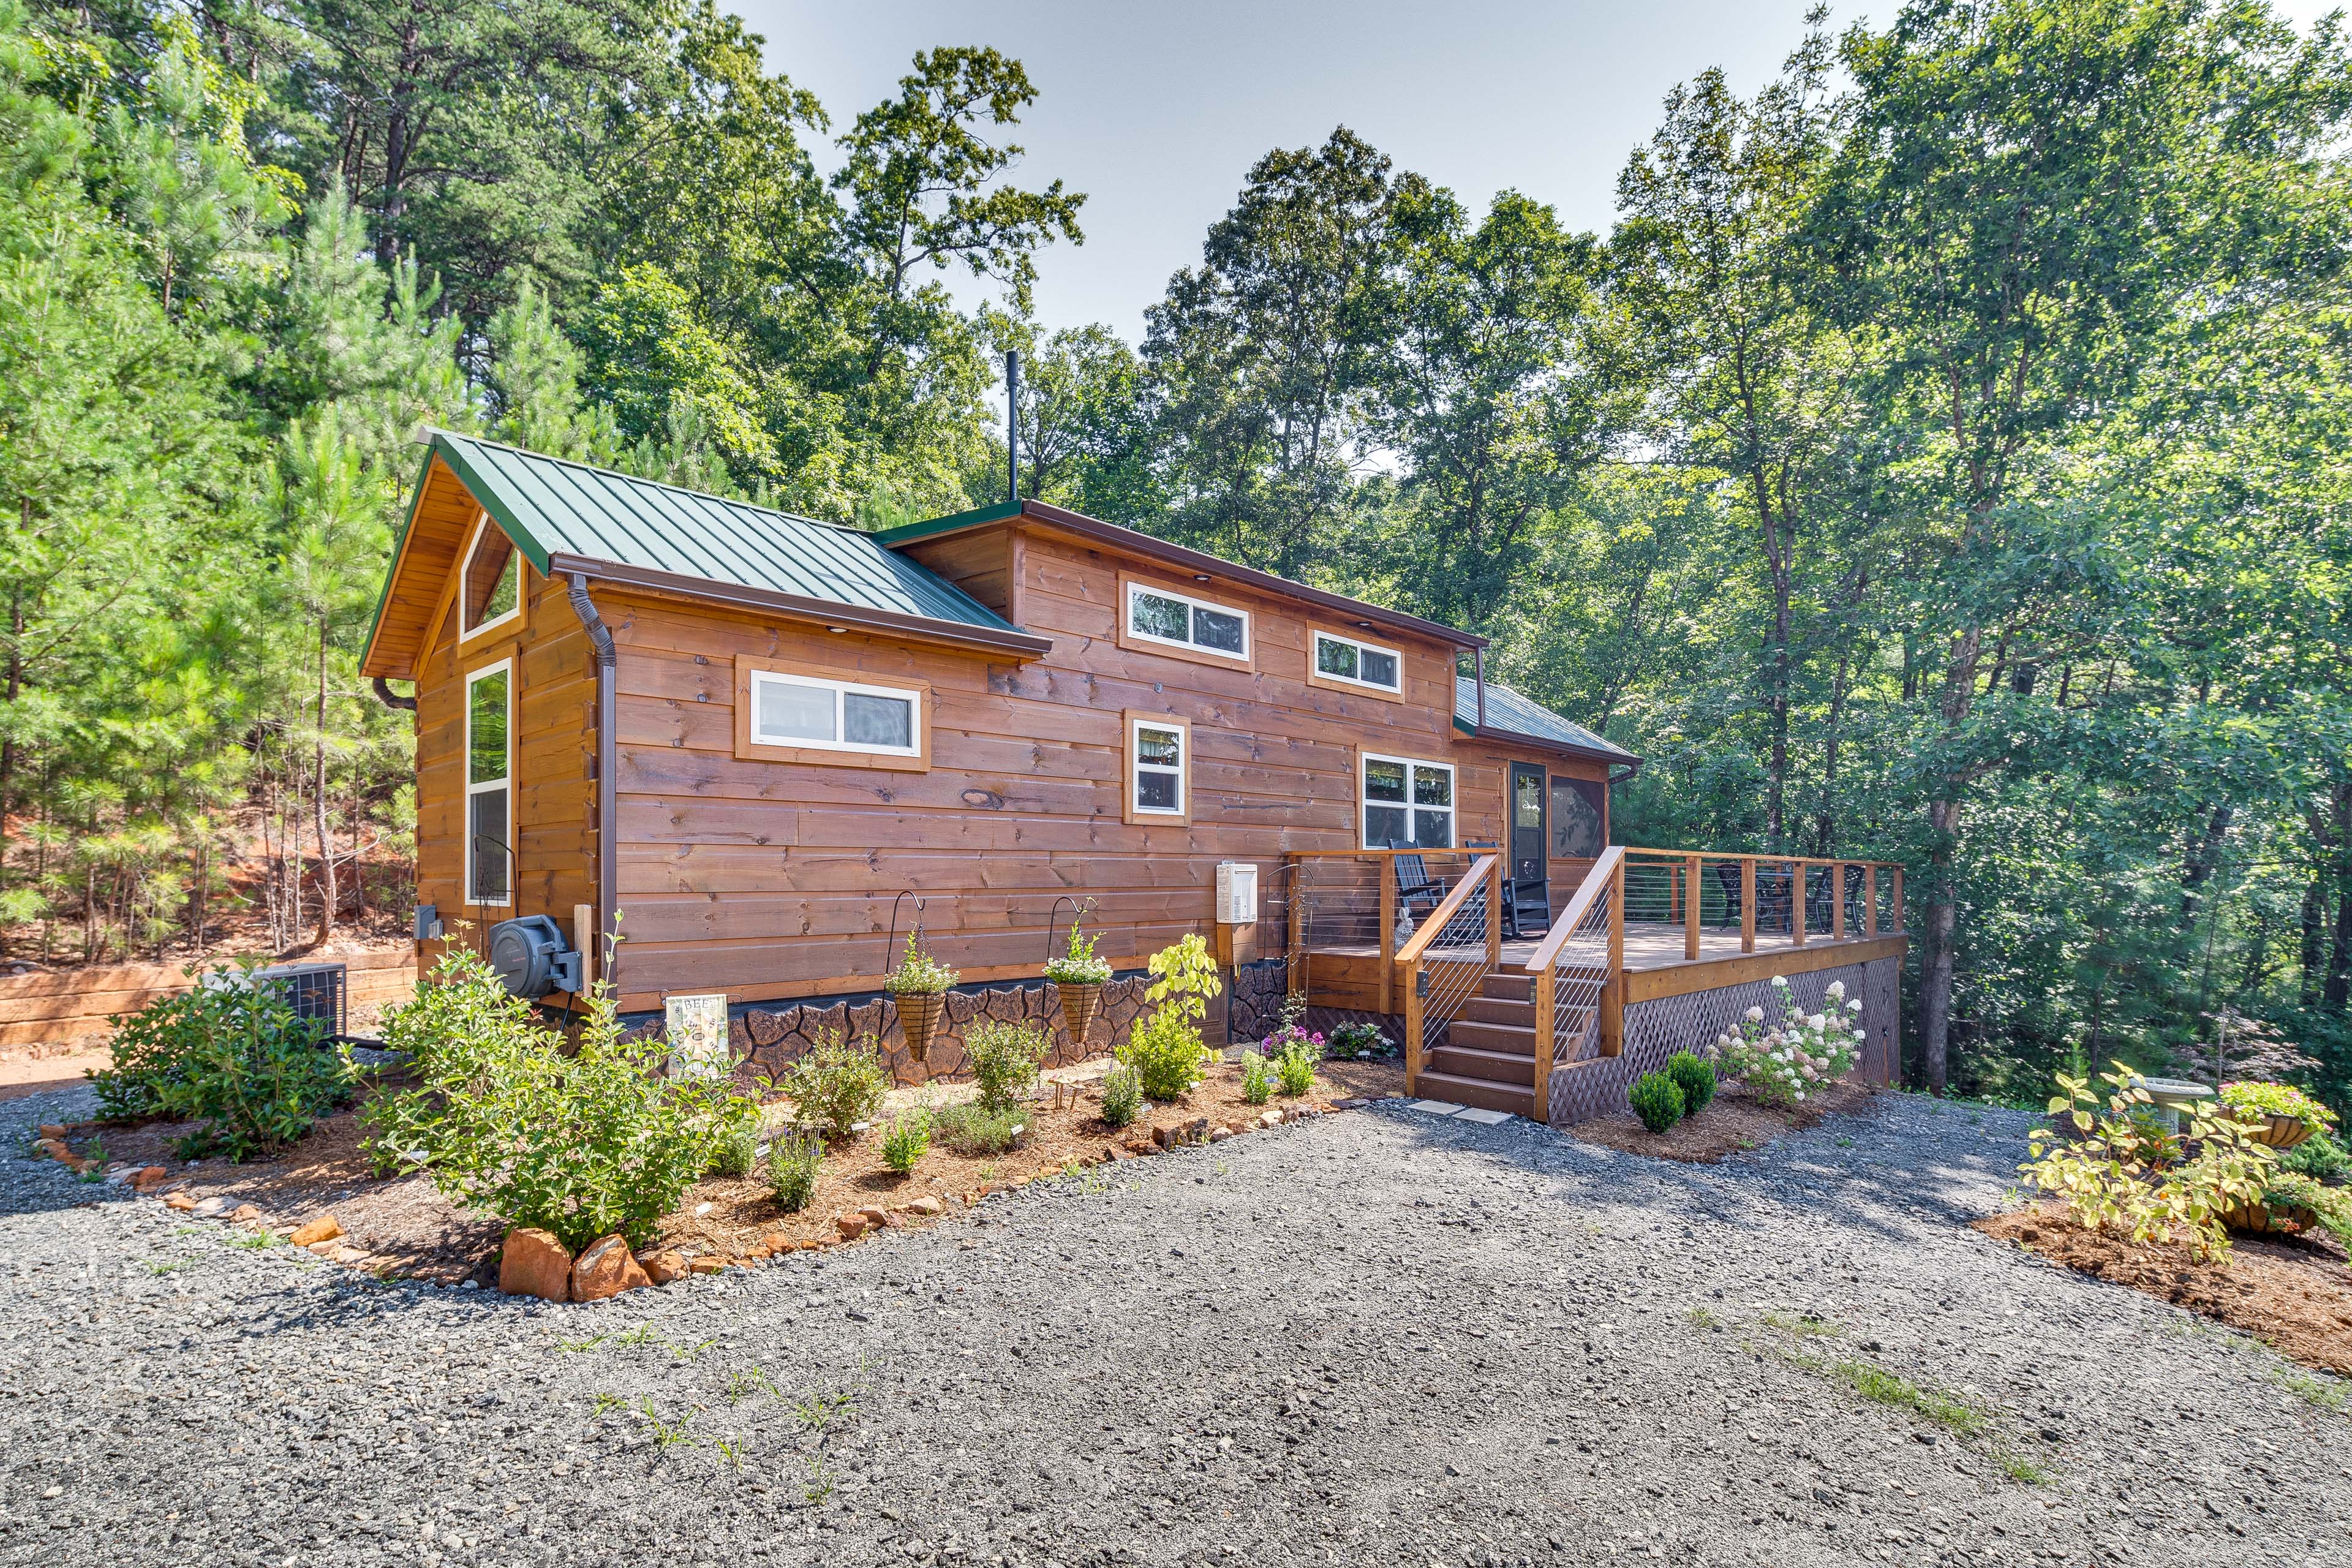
[1158, 760]
[489, 795]
[1407, 804]
[489, 592]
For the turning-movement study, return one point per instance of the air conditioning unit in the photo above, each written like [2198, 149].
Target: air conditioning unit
[532, 957]
[1236, 893]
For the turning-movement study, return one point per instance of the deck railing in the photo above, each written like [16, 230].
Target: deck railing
[1698, 893]
[1578, 969]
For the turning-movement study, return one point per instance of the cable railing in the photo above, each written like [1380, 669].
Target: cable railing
[1758, 895]
[1447, 958]
[1578, 969]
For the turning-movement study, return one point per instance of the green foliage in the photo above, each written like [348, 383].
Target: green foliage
[1294, 1063]
[973, 1130]
[1695, 1078]
[735, 1142]
[2109, 1183]
[231, 1054]
[580, 1143]
[1358, 1039]
[1077, 964]
[838, 1085]
[2263, 1100]
[795, 1161]
[919, 973]
[2321, 1158]
[1165, 1053]
[1004, 1059]
[1788, 1054]
[1257, 1087]
[1657, 1100]
[1122, 1095]
[907, 1139]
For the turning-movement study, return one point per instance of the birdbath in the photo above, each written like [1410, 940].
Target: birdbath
[2173, 1096]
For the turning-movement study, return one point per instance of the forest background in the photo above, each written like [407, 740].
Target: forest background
[1943, 459]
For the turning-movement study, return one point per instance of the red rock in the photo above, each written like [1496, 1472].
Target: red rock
[661, 1265]
[54, 1148]
[929, 1207]
[851, 1226]
[708, 1263]
[604, 1270]
[180, 1201]
[245, 1212]
[532, 1262]
[877, 1217]
[152, 1176]
[776, 1241]
[52, 1130]
[326, 1227]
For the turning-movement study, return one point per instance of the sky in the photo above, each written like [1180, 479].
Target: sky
[1156, 112]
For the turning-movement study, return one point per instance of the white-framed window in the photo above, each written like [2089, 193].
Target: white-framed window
[1407, 803]
[490, 587]
[489, 784]
[823, 715]
[1359, 663]
[1163, 615]
[1158, 757]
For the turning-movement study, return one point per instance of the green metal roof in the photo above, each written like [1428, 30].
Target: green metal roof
[551, 507]
[1508, 711]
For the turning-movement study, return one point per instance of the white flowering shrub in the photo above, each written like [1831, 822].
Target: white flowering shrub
[1784, 1057]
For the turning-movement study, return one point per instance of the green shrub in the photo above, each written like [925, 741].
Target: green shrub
[793, 1160]
[231, 1054]
[1695, 1078]
[1257, 1087]
[1358, 1041]
[580, 1142]
[1294, 1063]
[735, 1147]
[1166, 1054]
[1122, 1095]
[1657, 1100]
[2321, 1158]
[837, 1085]
[973, 1130]
[907, 1139]
[1004, 1059]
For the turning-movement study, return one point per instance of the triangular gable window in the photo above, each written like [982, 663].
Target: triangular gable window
[491, 592]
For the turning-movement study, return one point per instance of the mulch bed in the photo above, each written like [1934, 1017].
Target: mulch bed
[404, 1227]
[2295, 1293]
[1732, 1123]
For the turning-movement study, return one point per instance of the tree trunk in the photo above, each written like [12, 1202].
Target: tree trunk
[327, 901]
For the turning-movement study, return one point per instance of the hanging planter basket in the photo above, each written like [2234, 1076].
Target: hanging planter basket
[2279, 1132]
[919, 1017]
[1080, 1002]
[2258, 1219]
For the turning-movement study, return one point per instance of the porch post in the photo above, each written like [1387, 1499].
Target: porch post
[1796, 903]
[1690, 908]
[1748, 903]
[1547, 1046]
[1494, 913]
[1413, 1029]
[1896, 911]
[1612, 991]
[1870, 899]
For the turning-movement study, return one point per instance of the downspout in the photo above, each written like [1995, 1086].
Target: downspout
[391, 698]
[600, 637]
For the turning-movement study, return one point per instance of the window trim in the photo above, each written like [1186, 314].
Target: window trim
[1131, 769]
[482, 523]
[1364, 804]
[1130, 584]
[1315, 677]
[506, 783]
[749, 747]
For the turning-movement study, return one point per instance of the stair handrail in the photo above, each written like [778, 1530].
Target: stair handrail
[1597, 880]
[1481, 870]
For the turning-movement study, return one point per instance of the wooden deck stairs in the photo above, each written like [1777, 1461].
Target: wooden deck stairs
[1488, 1055]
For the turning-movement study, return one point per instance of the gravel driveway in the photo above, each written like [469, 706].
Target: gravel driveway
[1376, 1337]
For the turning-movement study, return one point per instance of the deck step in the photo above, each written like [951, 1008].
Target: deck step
[1516, 1100]
[1515, 1039]
[1496, 1010]
[1493, 1067]
[1503, 986]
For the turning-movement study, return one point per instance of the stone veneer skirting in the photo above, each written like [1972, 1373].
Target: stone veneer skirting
[1656, 1030]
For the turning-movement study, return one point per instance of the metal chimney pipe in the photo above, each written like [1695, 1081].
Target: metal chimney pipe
[1012, 426]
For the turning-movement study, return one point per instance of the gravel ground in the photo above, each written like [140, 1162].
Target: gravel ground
[1376, 1337]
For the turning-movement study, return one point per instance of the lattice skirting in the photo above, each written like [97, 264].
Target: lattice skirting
[1656, 1030]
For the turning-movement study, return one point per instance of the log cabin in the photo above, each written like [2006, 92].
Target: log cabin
[760, 747]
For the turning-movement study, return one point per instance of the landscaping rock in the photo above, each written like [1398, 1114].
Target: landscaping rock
[322, 1227]
[149, 1178]
[930, 1207]
[662, 1263]
[605, 1269]
[52, 1130]
[534, 1263]
[851, 1226]
[708, 1264]
[244, 1212]
[211, 1208]
[180, 1201]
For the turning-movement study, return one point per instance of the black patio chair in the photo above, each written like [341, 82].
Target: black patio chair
[1821, 901]
[1415, 885]
[1776, 899]
[1727, 876]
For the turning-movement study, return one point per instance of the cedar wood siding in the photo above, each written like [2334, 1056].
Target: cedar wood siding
[772, 880]
[553, 762]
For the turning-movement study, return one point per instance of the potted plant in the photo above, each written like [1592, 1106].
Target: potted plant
[2278, 1115]
[1080, 977]
[919, 988]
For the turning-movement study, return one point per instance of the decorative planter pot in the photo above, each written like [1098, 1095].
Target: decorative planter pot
[918, 1016]
[1080, 1002]
[2279, 1132]
[2261, 1218]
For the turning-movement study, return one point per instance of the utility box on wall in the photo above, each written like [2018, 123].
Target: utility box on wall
[1236, 893]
